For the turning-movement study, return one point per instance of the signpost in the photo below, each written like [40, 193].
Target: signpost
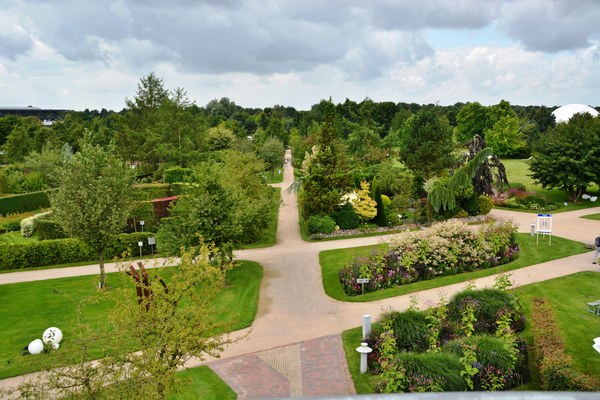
[544, 226]
[362, 281]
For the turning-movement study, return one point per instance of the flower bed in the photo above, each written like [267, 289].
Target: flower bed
[446, 248]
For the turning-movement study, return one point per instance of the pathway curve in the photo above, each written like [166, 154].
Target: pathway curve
[295, 315]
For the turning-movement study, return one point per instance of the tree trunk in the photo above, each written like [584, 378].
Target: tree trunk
[102, 272]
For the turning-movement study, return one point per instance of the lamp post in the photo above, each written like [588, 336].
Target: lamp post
[364, 351]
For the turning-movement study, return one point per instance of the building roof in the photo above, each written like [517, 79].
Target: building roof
[564, 113]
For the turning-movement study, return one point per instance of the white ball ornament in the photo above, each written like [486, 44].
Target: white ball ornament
[52, 335]
[36, 347]
[55, 346]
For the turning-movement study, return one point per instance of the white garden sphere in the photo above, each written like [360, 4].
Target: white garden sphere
[36, 347]
[52, 335]
[55, 346]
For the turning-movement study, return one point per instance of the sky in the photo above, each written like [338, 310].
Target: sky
[78, 54]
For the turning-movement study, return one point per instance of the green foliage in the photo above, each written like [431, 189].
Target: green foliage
[151, 191]
[410, 330]
[271, 152]
[176, 175]
[505, 137]
[223, 210]
[65, 251]
[24, 202]
[48, 229]
[443, 194]
[485, 204]
[392, 375]
[142, 211]
[437, 371]
[555, 366]
[568, 157]
[94, 196]
[345, 217]
[488, 305]
[365, 206]
[426, 143]
[471, 120]
[320, 224]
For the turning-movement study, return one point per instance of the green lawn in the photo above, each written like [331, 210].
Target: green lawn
[15, 237]
[203, 384]
[531, 253]
[595, 217]
[517, 170]
[29, 308]
[568, 295]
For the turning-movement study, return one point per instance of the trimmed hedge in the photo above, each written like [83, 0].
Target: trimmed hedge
[151, 191]
[49, 229]
[555, 366]
[320, 224]
[345, 217]
[24, 202]
[64, 251]
[176, 174]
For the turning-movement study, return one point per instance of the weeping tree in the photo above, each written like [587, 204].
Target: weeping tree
[442, 194]
[489, 173]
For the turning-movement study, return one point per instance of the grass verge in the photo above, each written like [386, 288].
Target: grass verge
[202, 383]
[29, 308]
[332, 260]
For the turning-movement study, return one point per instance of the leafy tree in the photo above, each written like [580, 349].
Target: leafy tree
[93, 198]
[225, 203]
[150, 94]
[505, 137]
[326, 178]
[272, 153]
[170, 325]
[471, 120]
[568, 157]
[426, 143]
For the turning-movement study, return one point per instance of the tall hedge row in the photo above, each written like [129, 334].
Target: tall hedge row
[64, 251]
[24, 202]
[151, 191]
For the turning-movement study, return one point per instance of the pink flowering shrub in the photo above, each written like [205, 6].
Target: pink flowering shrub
[446, 248]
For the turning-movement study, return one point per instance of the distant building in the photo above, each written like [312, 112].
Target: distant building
[46, 115]
[564, 113]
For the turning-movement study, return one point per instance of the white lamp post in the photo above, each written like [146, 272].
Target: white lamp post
[364, 350]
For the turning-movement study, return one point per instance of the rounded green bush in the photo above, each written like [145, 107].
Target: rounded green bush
[320, 224]
[485, 204]
[410, 329]
[386, 200]
[346, 218]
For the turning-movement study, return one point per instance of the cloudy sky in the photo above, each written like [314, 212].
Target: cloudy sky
[77, 54]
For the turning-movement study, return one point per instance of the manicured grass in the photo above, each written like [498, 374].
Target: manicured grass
[29, 308]
[517, 170]
[15, 237]
[531, 253]
[203, 384]
[20, 216]
[595, 217]
[276, 178]
[569, 295]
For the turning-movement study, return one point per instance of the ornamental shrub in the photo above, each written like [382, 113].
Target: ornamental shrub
[320, 224]
[28, 224]
[432, 372]
[485, 204]
[446, 248]
[410, 329]
[345, 217]
[488, 304]
[12, 226]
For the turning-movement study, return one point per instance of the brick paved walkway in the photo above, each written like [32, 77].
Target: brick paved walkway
[315, 367]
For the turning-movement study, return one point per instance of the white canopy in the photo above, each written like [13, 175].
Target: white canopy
[564, 113]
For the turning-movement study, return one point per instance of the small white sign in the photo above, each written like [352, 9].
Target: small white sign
[362, 280]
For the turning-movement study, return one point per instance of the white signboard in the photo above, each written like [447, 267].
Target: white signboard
[362, 280]
[544, 226]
